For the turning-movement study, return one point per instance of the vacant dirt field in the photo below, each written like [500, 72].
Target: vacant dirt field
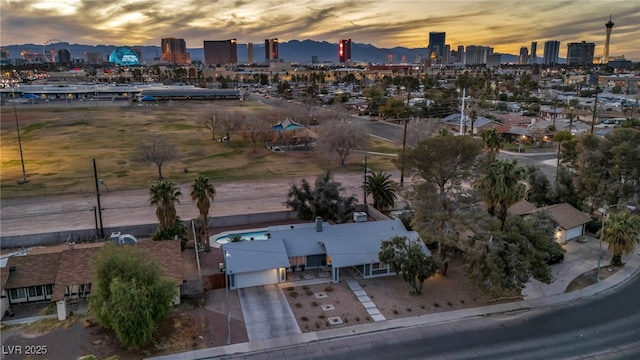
[59, 143]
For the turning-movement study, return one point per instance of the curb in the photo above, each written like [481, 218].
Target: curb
[629, 271]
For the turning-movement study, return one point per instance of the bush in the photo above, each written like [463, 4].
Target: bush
[328, 289]
[298, 305]
[395, 312]
[304, 318]
[435, 304]
[321, 316]
[309, 292]
[593, 226]
[294, 294]
[315, 304]
[449, 303]
[290, 288]
[305, 287]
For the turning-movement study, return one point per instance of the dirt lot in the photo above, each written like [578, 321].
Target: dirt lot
[59, 144]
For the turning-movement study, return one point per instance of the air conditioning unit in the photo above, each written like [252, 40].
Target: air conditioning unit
[359, 216]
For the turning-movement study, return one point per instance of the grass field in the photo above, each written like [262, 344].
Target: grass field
[58, 146]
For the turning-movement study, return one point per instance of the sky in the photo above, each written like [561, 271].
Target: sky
[506, 25]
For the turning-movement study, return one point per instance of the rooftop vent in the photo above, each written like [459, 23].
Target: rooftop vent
[359, 216]
[318, 224]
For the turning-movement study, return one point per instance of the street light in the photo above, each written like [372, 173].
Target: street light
[226, 293]
[604, 215]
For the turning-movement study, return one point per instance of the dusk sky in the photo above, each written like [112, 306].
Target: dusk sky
[502, 24]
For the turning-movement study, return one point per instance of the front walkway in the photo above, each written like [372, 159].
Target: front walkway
[266, 312]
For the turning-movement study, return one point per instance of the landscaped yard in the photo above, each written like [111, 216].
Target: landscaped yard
[59, 143]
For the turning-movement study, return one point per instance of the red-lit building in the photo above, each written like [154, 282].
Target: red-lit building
[220, 52]
[344, 50]
[271, 49]
[174, 51]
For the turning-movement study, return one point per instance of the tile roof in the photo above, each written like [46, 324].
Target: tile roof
[32, 270]
[565, 215]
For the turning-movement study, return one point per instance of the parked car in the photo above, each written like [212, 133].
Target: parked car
[555, 259]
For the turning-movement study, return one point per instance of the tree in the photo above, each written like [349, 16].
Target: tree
[444, 163]
[622, 234]
[408, 259]
[212, 121]
[502, 186]
[129, 296]
[203, 192]
[473, 115]
[419, 130]
[156, 149]
[493, 142]
[341, 137]
[164, 195]
[382, 189]
[325, 200]
[502, 262]
[395, 108]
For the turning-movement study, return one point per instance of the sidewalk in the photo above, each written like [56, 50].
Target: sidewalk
[607, 285]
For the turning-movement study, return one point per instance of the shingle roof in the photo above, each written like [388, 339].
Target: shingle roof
[32, 270]
[75, 268]
[521, 207]
[565, 215]
[249, 256]
[168, 254]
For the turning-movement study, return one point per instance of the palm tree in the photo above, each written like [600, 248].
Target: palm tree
[203, 192]
[382, 189]
[164, 195]
[621, 233]
[502, 186]
[473, 115]
[493, 142]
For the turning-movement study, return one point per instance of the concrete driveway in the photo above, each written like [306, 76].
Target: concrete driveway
[266, 312]
[579, 258]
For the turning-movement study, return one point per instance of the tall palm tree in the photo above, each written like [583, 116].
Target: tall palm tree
[473, 115]
[502, 186]
[621, 233]
[382, 189]
[493, 142]
[164, 195]
[203, 192]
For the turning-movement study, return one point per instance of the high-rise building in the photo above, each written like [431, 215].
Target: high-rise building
[64, 56]
[249, 53]
[93, 58]
[271, 49]
[174, 51]
[344, 50]
[446, 57]
[218, 52]
[605, 54]
[460, 55]
[477, 55]
[524, 56]
[533, 57]
[580, 53]
[435, 48]
[551, 52]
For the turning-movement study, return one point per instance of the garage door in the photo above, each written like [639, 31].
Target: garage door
[574, 232]
[257, 278]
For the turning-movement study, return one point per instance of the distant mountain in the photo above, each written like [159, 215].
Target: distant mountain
[291, 51]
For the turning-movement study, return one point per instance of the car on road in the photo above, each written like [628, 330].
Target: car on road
[555, 259]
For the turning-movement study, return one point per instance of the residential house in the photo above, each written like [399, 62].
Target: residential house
[480, 124]
[312, 245]
[571, 221]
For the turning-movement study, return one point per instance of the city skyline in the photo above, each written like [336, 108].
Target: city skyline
[504, 25]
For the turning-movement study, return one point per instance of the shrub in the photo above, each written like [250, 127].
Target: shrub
[298, 305]
[315, 304]
[395, 312]
[304, 318]
[321, 316]
[294, 294]
[290, 288]
[449, 303]
[309, 292]
[408, 309]
[305, 287]
[435, 304]
[358, 318]
[317, 325]
[328, 289]
[421, 306]
[461, 301]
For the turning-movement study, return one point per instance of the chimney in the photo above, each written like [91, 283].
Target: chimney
[318, 224]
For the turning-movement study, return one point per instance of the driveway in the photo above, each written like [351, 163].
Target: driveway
[579, 258]
[266, 312]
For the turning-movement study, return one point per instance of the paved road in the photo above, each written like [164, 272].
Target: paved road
[605, 327]
[266, 312]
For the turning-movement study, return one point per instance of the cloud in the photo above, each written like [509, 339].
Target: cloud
[505, 25]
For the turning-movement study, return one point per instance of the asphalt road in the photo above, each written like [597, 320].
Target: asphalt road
[604, 327]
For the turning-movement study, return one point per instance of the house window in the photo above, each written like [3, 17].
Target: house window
[35, 291]
[48, 289]
[17, 294]
[377, 266]
[84, 289]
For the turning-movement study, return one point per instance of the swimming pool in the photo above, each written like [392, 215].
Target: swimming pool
[247, 235]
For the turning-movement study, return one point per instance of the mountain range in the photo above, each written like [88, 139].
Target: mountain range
[290, 51]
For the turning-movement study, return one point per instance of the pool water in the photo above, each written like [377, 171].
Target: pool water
[246, 236]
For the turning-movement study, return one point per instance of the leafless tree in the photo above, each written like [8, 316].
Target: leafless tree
[341, 137]
[257, 128]
[418, 130]
[211, 120]
[230, 122]
[156, 149]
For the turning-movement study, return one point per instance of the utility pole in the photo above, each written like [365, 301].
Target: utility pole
[595, 104]
[364, 183]
[404, 146]
[95, 176]
[24, 174]
[462, 110]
